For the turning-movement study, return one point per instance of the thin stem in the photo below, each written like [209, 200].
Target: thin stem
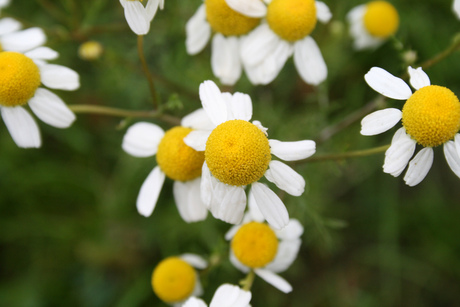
[345, 155]
[123, 113]
[248, 281]
[145, 68]
[454, 46]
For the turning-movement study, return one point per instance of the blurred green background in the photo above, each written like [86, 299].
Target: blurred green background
[70, 234]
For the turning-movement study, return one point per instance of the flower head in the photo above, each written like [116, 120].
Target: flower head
[373, 23]
[226, 296]
[175, 160]
[238, 153]
[140, 17]
[430, 117]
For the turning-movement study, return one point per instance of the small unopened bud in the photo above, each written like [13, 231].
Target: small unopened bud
[90, 50]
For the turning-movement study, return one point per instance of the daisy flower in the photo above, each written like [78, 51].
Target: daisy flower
[259, 247]
[238, 153]
[140, 17]
[456, 8]
[175, 160]
[175, 279]
[285, 32]
[228, 27]
[430, 117]
[372, 24]
[226, 296]
[21, 77]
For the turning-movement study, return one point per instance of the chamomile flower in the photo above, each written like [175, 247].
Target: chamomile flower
[284, 32]
[372, 24]
[226, 296]
[430, 117]
[259, 247]
[238, 153]
[140, 17]
[175, 279]
[175, 160]
[456, 8]
[228, 27]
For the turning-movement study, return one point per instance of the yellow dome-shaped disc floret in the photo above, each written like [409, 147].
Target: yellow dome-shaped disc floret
[381, 19]
[173, 280]
[431, 115]
[255, 244]
[177, 160]
[226, 21]
[292, 19]
[19, 79]
[237, 152]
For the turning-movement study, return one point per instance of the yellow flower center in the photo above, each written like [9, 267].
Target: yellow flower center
[19, 79]
[237, 152]
[173, 280]
[292, 19]
[381, 19]
[177, 160]
[431, 115]
[255, 244]
[226, 21]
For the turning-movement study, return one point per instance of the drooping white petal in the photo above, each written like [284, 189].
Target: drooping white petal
[22, 127]
[285, 178]
[136, 16]
[197, 31]
[419, 166]
[4, 3]
[237, 264]
[452, 157]
[194, 302]
[42, 53]
[9, 25]
[386, 84]
[309, 61]
[225, 59]
[197, 291]
[230, 296]
[194, 260]
[207, 185]
[292, 231]
[457, 142]
[150, 191]
[323, 13]
[398, 155]
[22, 41]
[356, 13]
[418, 78]
[270, 205]
[240, 106]
[254, 211]
[292, 151]
[59, 77]
[456, 8]
[274, 280]
[250, 8]
[197, 139]
[51, 109]
[258, 45]
[198, 120]
[188, 200]
[151, 8]
[228, 203]
[380, 121]
[285, 256]
[142, 139]
[213, 103]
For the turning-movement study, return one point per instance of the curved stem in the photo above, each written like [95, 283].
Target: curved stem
[248, 281]
[454, 46]
[145, 68]
[345, 155]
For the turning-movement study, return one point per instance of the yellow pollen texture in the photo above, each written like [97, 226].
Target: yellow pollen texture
[173, 280]
[292, 19]
[226, 21]
[19, 79]
[177, 160]
[255, 244]
[237, 153]
[431, 115]
[381, 19]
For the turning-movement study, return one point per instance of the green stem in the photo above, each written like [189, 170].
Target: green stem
[248, 281]
[345, 155]
[145, 68]
[454, 46]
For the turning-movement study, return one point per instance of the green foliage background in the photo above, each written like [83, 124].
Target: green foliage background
[70, 234]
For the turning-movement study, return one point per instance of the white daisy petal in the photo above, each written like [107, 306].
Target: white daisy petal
[151, 8]
[356, 14]
[285, 178]
[225, 59]
[22, 127]
[207, 185]
[386, 84]
[292, 151]
[292, 231]
[198, 120]
[254, 210]
[380, 121]
[309, 61]
[241, 106]
[142, 139]
[194, 302]
[398, 155]
[230, 296]
[22, 41]
[456, 8]
[285, 256]
[322, 12]
[258, 45]
[9, 25]
[198, 31]
[419, 166]
[457, 142]
[51, 109]
[197, 139]
[228, 203]
[452, 157]
[213, 103]
[270, 205]
[188, 200]
[136, 16]
[42, 53]
[237, 264]
[194, 260]
[250, 8]
[59, 77]
[150, 191]
[274, 280]
[418, 78]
